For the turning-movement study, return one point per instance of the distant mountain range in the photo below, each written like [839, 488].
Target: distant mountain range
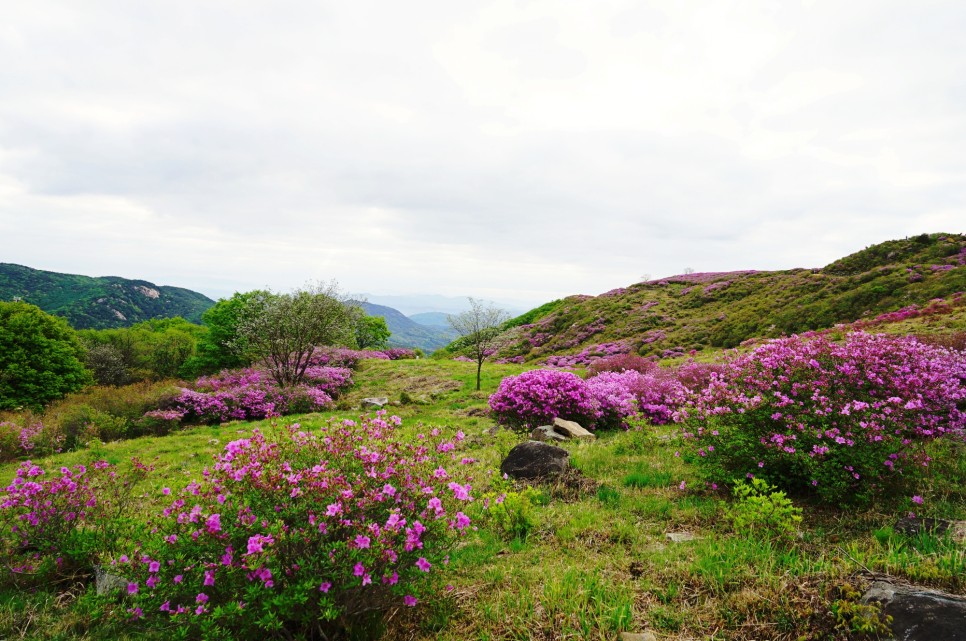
[413, 304]
[99, 302]
[408, 333]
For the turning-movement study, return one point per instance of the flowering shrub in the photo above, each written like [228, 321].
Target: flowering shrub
[252, 394]
[588, 355]
[18, 440]
[621, 363]
[304, 533]
[845, 422]
[61, 521]
[537, 397]
[607, 400]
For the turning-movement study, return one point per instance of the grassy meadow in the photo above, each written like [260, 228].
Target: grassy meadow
[586, 556]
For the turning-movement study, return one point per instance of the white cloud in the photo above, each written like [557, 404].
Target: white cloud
[503, 149]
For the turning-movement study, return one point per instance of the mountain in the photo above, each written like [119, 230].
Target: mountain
[407, 333]
[410, 304]
[431, 319]
[99, 302]
[672, 316]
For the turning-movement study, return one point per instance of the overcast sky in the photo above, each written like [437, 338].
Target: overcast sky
[517, 151]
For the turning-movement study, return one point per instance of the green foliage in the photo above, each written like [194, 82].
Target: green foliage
[99, 303]
[760, 509]
[512, 513]
[222, 347]
[283, 330]
[152, 350]
[861, 620]
[371, 332]
[40, 357]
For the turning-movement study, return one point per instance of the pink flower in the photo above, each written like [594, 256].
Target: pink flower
[359, 570]
[201, 598]
[423, 564]
[132, 588]
[325, 587]
[410, 600]
[362, 542]
[154, 566]
[917, 500]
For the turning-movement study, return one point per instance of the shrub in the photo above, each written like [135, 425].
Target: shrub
[539, 396]
[621, 363]
[303, 534]
[760, 509]
[18, 438]
[844, 422]
[251, 394]
[61, 522]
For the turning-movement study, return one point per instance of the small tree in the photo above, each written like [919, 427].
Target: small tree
[283, 330]
[479, 327]
[371, 331]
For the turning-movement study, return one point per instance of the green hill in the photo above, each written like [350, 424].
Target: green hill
[99, 303]
[408, 333]
[672, 316]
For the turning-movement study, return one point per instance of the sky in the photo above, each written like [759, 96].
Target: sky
[516, 151]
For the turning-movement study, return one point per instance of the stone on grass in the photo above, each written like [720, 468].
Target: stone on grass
[374, 402]
[533, 460]
[638, 636]
[106, 582]
[914, 526]
[571, 429]
[681, 537]
[920, 614]
[546, 433]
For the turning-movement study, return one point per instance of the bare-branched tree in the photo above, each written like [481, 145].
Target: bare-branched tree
[479, 329]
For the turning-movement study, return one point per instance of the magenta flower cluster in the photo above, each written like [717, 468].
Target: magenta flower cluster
[300, 530]
[303, 527]
[842, 420]
[253, 394]
[588, 355]
[608, 400]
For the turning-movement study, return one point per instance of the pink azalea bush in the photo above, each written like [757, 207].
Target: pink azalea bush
[608, 400]
[539, 396]
[252, 394]
[841, 421]
[301, 531]
[54, 522]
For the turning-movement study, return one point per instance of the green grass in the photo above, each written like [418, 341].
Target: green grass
[595, 560]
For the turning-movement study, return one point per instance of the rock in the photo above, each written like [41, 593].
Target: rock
[913, 526]
[681, 537]
[533, 460]
[571, 429]
[546, 433]
[106, 582]
[919, 614]
[638, 636]
[374, 403]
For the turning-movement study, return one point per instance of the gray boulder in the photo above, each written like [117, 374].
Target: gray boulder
[533, 460]
[105, 582]
[546, 433]
[919, 614]
[374, 403]
[571, 429]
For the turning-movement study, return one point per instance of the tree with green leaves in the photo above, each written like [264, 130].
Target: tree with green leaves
[371, 332]
[479, 329]
[41, 358]
[283, 330]
[222, 347]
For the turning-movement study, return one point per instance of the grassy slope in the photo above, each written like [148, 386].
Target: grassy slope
[91, 303]
[597, 560]
[702, 311]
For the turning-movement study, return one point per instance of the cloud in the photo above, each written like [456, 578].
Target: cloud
[504, 149]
